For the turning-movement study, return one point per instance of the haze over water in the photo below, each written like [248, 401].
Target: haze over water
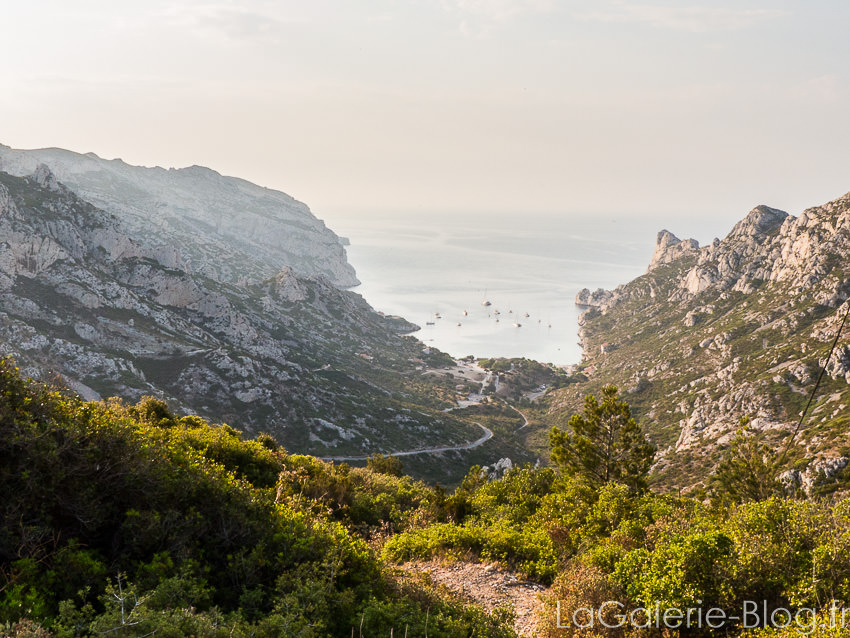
[417, 266]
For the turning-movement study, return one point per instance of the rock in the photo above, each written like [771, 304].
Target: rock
[668, 248]
[81, 297]
[791, 480]
[498, 470]
[45, 178]
[759, 222]
[596, 299]
[838, 364]
[5, 200]
[817, 472]
[284, 286]
[225, 227]
[763, 304]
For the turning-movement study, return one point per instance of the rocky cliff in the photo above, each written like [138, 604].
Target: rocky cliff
[739, 327]
[111, 313]
[197, 220]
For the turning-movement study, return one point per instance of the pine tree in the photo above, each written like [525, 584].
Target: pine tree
[606, 444]
[749, 468]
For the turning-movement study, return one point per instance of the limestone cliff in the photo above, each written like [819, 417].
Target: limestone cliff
[113, 314]
[195, 219]
[739, 327]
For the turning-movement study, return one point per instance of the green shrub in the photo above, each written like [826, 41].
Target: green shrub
[130, 522]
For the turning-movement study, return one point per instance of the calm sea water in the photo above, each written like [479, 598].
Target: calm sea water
[528, 267]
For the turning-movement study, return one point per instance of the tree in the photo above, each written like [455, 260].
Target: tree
[606, 444]
[385, 464]
[749, 469]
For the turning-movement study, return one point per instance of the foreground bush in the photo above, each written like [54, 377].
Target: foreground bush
[128, 521]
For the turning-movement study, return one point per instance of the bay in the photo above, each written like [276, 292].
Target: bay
[438, 270]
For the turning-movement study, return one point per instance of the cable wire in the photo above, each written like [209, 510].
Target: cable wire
[815, 389]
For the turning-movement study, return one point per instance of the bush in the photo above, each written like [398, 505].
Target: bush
[579, 586]
[114, 522]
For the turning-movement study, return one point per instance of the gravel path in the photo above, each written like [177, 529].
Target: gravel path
[489, 586]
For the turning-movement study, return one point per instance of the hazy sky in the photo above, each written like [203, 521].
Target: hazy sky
[691, 108]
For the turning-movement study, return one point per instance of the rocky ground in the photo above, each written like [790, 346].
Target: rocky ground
[488, 585]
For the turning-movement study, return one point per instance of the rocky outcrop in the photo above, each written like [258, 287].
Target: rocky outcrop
[284, 286]
[194, 218]
[767, 246]
[668, 248]
[817, 473]
[739, 327]
[596, 299]
[113, 316]
[498, 469]
[45, 178]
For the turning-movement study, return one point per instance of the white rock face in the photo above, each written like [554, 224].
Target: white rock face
[286, 287]
[822, 469]
[699, 278]
[596, 299]
[691, 319]
[117, 317]
[194, 218]
[498, 469]
[737, 328]
[768, 245]
[668, 248]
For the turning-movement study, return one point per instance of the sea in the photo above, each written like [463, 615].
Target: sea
[439, 271]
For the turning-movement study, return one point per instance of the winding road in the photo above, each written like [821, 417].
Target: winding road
[524, 418]
[488, 434]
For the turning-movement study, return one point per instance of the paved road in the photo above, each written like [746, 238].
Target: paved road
[488, 434]
[473, 400]
[524, 418]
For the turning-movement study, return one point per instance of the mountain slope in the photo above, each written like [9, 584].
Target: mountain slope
[196, 219]
[293, 356]
[736, 328]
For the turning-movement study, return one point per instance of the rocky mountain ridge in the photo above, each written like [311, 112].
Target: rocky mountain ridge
[737, 328]
[113, 315]
[197, 220]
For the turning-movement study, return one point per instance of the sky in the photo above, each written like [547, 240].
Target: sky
[692, 109]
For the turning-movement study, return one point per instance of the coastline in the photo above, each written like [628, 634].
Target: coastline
[418, 268]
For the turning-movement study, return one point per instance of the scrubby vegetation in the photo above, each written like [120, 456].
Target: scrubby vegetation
[597, 539]
[128, 521]
[131, 521]
[647, 550]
